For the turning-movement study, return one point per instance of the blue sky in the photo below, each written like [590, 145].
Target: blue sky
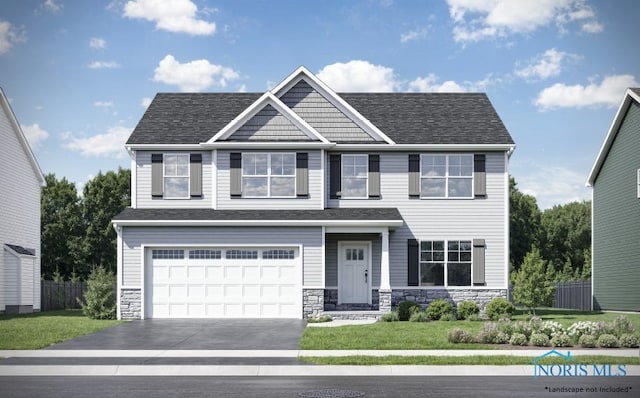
[79, 74]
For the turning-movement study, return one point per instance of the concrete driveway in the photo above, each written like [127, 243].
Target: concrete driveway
[194, 334]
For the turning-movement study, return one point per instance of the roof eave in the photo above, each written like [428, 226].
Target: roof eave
[289, 223]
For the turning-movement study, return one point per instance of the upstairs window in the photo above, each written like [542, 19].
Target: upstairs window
[176, 175]
[355, 172]
[446, 176]
[269, 175]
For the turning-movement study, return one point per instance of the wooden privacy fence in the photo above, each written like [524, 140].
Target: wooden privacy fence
[61, 295]
[573, 295]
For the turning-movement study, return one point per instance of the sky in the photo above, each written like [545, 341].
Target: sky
[80, 74]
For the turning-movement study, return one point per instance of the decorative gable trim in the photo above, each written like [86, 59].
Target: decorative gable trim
[303, 73]
[267, 99]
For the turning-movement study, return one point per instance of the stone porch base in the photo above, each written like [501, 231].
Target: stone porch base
[354, 315]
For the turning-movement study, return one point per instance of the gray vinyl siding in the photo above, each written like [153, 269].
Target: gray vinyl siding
[19, 203]
[322, 115]
[331, 256]
[134, 237]
[312, 201]
[268, 125]
[143, 184]
[616, 230]
[441, 219]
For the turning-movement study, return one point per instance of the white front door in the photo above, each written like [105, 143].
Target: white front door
[354, 279]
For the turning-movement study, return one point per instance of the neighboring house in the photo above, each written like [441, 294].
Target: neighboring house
[20, 183]
[300, 200]
[615, 178]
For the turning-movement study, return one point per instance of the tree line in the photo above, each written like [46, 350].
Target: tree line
[77, 234]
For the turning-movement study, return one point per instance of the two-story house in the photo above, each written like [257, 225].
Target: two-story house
[301, 200]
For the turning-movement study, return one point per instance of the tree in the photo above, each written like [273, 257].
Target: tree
[61, 227]
[524, 223]
[100, 298]
[531, 287]
[103, 198]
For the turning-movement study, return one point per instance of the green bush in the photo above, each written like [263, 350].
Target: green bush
[467, 308]
[474, 318]
[498, 307]
[437, 308]
[622, 325]
[523, 327]
[448, 317]
[457, 335]
[628, 340]
[518, 339]
[587, 341]
[405, 309]
[390, 317]
[561, 340]
[539, 340]
[319, 319]
[608, 341]
[491, 334]
[100, 298]
[418, 316]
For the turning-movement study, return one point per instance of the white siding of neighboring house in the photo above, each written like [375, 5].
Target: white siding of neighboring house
[441, 219]
[313, 201]
[143, 184]
[19, 201]
[134, 237]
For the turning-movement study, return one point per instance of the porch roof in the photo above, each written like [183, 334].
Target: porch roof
[360, 217]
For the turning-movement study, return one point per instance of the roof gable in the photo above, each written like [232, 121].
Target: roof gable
[268, 125]
[632, 95]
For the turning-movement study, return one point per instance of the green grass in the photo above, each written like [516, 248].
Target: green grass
[428, 335]
[39, 330]
[469, 360]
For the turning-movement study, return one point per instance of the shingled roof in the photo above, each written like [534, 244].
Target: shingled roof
[406, 118]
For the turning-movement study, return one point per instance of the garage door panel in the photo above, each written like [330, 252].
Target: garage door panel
[196, 273]
[252, 292]
[233, 273]
[197, 292]
[215, 273]
[251, 274]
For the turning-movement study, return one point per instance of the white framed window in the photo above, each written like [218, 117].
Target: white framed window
[446, 176]
[176, 175]
[355, 173]
[445, 263]
[205, 254]
[271, 175]
[167, 254]
[278, 254]
[241, 254]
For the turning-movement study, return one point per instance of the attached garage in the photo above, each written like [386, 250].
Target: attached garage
[223, 282]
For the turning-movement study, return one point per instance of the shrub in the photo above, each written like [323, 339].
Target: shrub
[608, 341]
[628, 340]
[498, 307]
[587, 341]
[579, 329]
[561, 340]
[389, 317]
[539, 340]
[551, 328]
[518, 339]
[457, 335]
[448, 317]
[501, 338]
[523, 327]
[405, 309]
[488, 333]
[419, 316]
[467, 308]
[319, 319]
[622, 325]
[100, 298]
[505, 326]
[438, 307]
[474, 318]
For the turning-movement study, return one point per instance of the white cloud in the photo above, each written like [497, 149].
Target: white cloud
[10, 35]
[545, 65]
[104, 65]
[35, 134]
[178, 16]
[194, 75]
[592, 27]
[96, 42]
[608, 92]
[109, 143]
[430, 84]
[52, 6]
[414, 35]
[103, 104]
[145, 102]
[479, 19]
[358, 76]
[554, 185]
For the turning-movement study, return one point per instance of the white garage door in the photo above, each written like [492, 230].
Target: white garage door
[225, 283]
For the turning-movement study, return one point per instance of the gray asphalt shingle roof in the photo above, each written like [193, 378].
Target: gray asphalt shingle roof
[407, 118]
[345, 214]
[21, 249]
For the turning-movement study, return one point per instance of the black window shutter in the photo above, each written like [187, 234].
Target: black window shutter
[479, 175]
[302, 174]
[413, 259]
[335, 176]
[478, 262]
[374, 176]
[235, 174]
[157, 178]
[414, 175]
[195, 175]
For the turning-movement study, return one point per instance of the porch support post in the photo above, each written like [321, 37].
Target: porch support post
[385, 285]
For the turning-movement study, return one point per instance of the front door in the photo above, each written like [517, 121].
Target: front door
[354, 279]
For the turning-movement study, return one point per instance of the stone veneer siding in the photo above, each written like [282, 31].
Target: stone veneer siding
[130, 304]
[312, 302]
[331, 302]
[424, 296]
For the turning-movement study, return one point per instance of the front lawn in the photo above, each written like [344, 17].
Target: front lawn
[503, 360]
[42, 329]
